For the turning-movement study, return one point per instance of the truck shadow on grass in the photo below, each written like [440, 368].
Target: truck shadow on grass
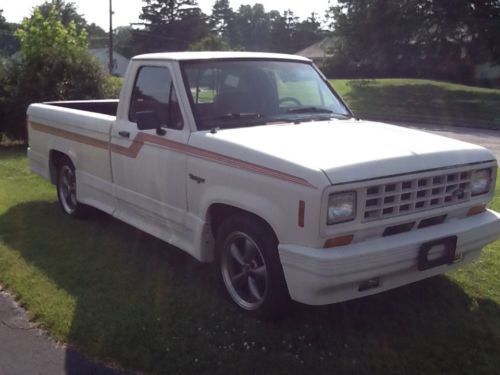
[134, 300]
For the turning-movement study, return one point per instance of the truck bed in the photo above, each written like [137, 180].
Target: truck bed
[105, 107]
[77, 128]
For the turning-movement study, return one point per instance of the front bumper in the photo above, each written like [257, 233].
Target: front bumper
[322, 276]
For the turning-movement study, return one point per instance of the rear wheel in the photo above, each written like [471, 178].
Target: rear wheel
[250, 269]
[66, 189]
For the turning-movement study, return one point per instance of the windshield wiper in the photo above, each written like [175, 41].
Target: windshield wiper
[242, 115]
[309, 110]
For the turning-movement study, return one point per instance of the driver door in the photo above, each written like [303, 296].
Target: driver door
[149, 172]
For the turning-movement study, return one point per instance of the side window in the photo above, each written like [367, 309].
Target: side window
[154, 91]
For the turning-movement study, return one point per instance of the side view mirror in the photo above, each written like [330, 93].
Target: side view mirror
[147, 120]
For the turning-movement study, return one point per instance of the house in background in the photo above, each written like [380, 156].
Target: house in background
[120, 62]
[319, 51]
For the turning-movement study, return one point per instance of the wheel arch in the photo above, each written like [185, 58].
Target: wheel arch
[218, 212]
[275, 297]
[55, 157]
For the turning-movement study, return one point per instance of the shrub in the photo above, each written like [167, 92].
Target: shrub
[55, 65]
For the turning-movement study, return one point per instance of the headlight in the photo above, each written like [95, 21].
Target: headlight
[481, 181]
[341, 207]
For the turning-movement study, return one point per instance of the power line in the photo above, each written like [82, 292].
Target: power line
[111, 65]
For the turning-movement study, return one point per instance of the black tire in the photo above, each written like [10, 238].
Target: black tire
[66, 190]
[249, 268]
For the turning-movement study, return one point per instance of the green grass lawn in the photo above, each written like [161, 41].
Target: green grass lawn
[122, 296]
[421, 101]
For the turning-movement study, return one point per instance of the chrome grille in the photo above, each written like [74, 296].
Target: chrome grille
[417, 194]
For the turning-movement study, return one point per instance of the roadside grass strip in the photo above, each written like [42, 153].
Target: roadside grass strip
[421, 101]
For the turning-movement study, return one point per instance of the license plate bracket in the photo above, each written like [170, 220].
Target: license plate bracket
[446, 246]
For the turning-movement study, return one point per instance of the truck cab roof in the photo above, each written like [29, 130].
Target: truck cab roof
[214, 55]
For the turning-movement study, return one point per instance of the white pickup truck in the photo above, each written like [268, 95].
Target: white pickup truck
[253, 161]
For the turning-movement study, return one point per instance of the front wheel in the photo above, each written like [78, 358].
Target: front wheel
[250, 269]
[66, 189]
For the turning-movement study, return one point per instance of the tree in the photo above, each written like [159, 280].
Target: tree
[307, 32]
[222, 18]
[3, 22]
[417, 37]
[210, 43]
[46, 36]
[6, 88]
[253, 28]
[55, 65]
[156, 12]
[98, 38]
[171, 25]
[174, 25]
[486, 29]
[373, 34]
[282, 31]
[123, 41]
[8, 42]
[5, 35]
[66, 12]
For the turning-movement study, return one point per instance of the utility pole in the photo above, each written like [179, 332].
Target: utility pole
[111, 65]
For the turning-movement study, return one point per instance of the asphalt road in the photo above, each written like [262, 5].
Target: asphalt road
[486, 138]
[26, 350]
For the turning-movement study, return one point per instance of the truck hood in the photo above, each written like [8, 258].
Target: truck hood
[347, 150]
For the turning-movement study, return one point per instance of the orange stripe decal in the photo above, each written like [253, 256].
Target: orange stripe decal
[141, 138]
[69, 135]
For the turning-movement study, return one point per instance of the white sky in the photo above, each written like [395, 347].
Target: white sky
[127, 11]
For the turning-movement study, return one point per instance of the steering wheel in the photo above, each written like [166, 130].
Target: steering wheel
[290, 100]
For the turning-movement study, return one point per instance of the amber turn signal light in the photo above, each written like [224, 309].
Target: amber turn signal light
[476, 210]
[338, 241]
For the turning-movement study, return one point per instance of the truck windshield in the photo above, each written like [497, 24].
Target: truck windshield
[238, 93]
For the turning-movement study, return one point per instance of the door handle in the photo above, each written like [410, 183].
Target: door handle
[124, 133]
